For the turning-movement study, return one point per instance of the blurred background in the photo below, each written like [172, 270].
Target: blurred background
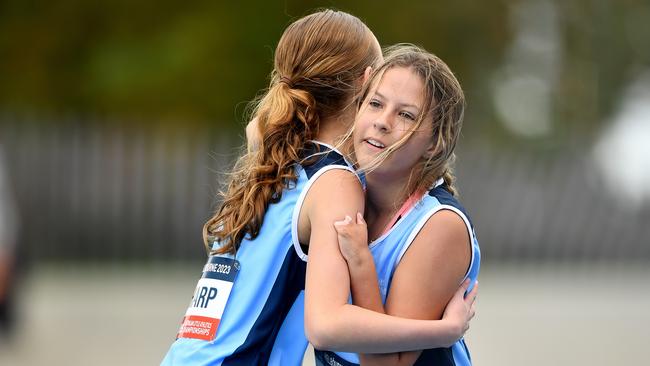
[118, 118]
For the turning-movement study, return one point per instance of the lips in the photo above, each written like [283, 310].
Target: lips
[375, 143]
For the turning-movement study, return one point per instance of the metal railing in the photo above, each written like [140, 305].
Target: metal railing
[92, 192]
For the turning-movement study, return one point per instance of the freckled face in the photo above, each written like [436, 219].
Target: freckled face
[389, 113]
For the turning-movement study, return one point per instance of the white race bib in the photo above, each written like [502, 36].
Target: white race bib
[210, 297]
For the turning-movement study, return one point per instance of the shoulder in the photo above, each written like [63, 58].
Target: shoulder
[440, 247]
[431, 266]
[335, 194]
[446, 226]
[336, 182]
[448, 201]
[441, 234]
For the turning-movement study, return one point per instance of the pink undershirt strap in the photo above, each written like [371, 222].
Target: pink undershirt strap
[408, 204]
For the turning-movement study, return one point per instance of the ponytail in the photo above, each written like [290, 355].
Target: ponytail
[287, 120]
[317, 63]
[450, 180]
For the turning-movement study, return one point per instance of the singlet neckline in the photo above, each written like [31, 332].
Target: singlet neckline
[359, 174]
[392, 226]
[404, 211]
[327, 146]
[406, 206]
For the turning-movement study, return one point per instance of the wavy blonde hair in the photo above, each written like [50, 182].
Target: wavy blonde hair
[318, 62]
[444, 102]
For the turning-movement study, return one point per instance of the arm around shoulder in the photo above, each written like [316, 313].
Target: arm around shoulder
[431, 269]
[427, 277]
[330, 321]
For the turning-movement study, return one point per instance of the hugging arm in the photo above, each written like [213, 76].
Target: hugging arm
[424, 282]
[330, 321]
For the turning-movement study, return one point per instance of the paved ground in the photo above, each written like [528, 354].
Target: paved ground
[534, 315]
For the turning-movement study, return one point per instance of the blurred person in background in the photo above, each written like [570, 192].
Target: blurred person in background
[8, 230]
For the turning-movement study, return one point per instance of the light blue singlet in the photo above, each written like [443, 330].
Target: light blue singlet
[387, 252]
[263, 321]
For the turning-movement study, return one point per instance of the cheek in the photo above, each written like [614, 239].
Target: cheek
[419, 147]
[356, 136]
[363, 119]
[361, 126]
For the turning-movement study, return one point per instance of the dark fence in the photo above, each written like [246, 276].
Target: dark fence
[105, 193]
[85, 191]
[536, 207]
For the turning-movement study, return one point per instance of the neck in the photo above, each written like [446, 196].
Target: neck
[384, 197]
[332, 128]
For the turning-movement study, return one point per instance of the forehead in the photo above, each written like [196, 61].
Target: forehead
[402, 85]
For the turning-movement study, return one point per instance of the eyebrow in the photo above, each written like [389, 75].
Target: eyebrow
[377, 93]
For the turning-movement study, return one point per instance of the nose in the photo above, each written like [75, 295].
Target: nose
[381, 123]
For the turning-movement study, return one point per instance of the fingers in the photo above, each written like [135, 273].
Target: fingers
[463, 287]
[360, 219]
[471, 299]
[472, 295]
[348, 220]
[459, 295]
[342, 227]
[345, 221]
[349, 226]
[339, 224]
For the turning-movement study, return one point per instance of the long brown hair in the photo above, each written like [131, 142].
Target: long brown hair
[444, 102]
[318, 62]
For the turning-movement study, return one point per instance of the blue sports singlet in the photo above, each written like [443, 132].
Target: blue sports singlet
[387, 251]
[263, 320]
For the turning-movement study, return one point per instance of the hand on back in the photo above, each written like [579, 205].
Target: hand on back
[461, 309]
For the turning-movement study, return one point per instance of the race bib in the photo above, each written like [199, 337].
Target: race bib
[210, 297]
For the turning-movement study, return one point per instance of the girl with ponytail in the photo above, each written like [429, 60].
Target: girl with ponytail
[283, 195]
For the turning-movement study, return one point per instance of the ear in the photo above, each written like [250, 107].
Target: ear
[366, 74]
[253, 135]
[430, 151]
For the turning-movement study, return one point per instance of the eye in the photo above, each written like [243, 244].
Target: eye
[374, 103]
[407, 115]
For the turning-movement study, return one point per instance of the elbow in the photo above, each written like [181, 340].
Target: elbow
[320, 332]
[319, 340]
